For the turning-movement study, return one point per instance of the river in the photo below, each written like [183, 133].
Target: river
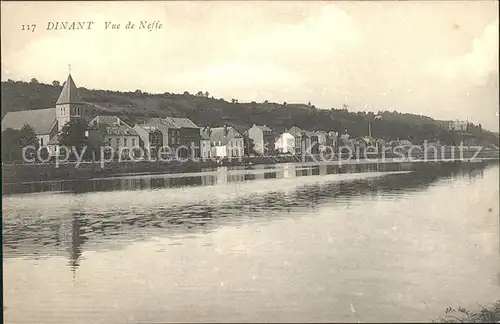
[293, 245]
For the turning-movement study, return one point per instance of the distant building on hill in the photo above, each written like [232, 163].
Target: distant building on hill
[457, 125]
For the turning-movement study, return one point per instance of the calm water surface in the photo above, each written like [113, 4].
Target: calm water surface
[273, 246]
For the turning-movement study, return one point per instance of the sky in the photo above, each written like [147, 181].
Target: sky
[438, 59]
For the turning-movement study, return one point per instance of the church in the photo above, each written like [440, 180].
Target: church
[48, 122]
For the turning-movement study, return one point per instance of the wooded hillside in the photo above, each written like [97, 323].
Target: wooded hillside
[208, 111]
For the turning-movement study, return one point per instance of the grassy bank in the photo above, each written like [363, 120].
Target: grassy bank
[489, 314]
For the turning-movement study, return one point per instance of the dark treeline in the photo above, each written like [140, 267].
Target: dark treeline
[206, 110]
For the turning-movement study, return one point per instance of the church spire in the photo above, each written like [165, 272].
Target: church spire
[69, 93]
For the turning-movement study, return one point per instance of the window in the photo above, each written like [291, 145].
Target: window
[117, 141]
[133, 141]
[109, 141]
[125, 142]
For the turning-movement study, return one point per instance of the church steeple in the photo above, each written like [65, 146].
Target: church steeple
[69, 93]
[69, 105]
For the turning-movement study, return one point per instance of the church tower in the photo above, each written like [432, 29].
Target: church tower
[69, 105]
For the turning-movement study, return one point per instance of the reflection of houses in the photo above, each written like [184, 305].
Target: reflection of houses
[260, 175]
[288, 170]
[221, 175]
[48, 122]
[116, 134]
[263, 139]
[226, 141]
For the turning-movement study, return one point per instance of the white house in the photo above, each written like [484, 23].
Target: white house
[457, 125]
[225, 141]
[205, 145]
[116, 134]
[285, 143]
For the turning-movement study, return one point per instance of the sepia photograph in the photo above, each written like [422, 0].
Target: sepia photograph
[250, 161]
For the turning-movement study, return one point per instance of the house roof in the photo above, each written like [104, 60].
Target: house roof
[217, 134]
[263, 128]
[69, 93]
[181, 122]
[112, 125]
[295, 131]
[40, 119]
[204, 134]
[160, 123]
[122, 130]
[148, 128]
[54, 140]
[106, 120]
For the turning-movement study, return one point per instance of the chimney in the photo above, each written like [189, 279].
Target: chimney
[225, 130]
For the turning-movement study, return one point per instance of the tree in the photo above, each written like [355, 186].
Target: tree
[186, 93]
[199, 94]
[11, 149]
[284, 103]
[34, 80]
[309, 104]
[138, 92]
[248, 145]
[56, 83]
[234, 101]
[73, 135]
[28, 137]
[206, 94]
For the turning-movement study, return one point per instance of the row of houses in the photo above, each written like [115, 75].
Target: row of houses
[181, 135]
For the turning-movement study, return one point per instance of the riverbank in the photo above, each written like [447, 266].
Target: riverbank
[461, 315]
[23, 173]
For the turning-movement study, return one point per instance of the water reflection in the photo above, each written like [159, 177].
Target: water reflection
[220, 176]
[298, 248]
[55, 224]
